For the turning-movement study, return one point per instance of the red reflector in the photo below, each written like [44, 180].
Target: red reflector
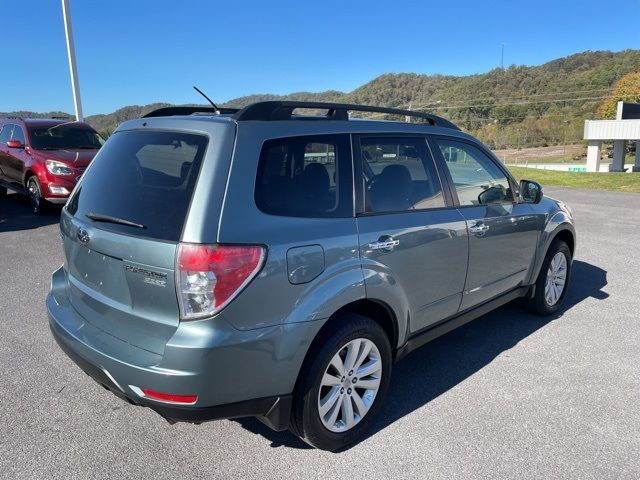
[168, 397]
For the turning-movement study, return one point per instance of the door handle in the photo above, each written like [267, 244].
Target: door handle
[384, 245]
[478, 229]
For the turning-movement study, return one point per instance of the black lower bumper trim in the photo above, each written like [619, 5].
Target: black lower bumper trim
[272, 411]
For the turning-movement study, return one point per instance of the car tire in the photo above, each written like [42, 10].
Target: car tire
[356, 405]
[34, 194]
[553, 280]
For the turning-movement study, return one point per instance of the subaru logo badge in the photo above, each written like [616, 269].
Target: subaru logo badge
[83, 236]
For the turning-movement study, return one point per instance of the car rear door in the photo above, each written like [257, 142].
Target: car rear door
[411, 239]
[121, 275]
[502, 232]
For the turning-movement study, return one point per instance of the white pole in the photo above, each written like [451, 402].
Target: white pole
[71, 52]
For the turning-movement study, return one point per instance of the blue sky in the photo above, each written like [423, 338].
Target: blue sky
[143, 51]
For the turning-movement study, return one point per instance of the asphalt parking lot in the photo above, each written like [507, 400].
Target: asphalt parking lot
[510, 395]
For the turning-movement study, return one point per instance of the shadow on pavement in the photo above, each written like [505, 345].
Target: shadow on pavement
[440, 365]
[16, 215]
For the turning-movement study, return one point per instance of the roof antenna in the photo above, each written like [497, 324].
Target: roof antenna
[208, 99]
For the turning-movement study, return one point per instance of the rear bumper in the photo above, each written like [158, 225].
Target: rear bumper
[234, 373]
[273, 411]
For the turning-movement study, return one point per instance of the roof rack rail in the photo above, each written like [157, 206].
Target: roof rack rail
[283, 110]
[181, 110]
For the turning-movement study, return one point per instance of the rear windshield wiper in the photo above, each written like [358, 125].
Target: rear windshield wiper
[98, 217]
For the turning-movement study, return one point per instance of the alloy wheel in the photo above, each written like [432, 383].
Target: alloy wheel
[556, 279]
[349, 385]
[33, 191]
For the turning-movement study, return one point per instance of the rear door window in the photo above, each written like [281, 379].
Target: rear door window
[306, 176]
[144, 177]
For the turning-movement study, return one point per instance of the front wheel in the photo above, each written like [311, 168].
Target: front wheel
[553, 280]
[342, 384]
[34, 192]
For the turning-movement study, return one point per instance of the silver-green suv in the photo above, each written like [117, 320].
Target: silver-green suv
[224, 263]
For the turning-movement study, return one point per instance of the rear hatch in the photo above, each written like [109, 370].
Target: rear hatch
[120, 230]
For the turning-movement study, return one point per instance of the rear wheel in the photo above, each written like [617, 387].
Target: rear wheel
[34, 193]
[342, 384]
[553, 280]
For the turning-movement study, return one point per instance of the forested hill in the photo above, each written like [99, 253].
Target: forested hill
[517, 106]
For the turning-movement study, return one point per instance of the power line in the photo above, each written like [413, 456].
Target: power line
[517, 96]
[494, 117]
[494, 105]
[525, 117]
[435, 104]
[526, 102]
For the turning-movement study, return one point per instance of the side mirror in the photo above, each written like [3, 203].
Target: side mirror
[530, 191]
[15, 144]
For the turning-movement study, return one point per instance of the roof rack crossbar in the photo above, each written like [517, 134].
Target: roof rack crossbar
[283, 110]
[183, 110]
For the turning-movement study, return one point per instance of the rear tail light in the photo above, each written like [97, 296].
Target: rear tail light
[208, 277]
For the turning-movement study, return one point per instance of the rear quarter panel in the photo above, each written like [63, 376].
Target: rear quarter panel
[271, 299]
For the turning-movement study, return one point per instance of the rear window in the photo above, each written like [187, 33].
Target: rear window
[144, 177]
[306, 176]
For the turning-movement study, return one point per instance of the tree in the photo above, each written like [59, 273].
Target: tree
[626, 89]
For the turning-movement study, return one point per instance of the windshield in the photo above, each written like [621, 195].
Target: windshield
[64, 138]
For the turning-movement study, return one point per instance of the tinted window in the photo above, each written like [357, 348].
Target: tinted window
[18, 134]
[64, 137]
[305, 177]
[5, 134]
[478, 180]
[144, 177]
[399, 174]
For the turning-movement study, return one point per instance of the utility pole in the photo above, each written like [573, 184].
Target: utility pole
[502, 57]
[71, 52]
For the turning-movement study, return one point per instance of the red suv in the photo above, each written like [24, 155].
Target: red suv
[44, 158]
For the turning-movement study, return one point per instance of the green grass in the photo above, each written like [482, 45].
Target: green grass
[629, 160]
[617, 182]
